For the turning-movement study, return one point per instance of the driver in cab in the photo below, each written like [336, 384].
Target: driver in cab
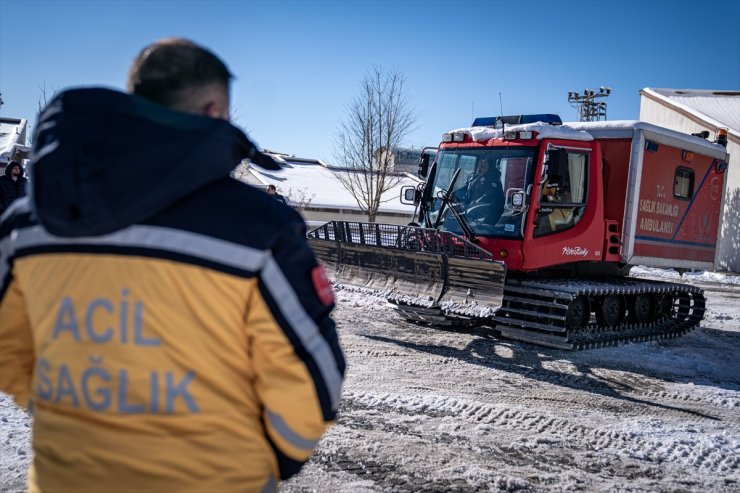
[484, 187]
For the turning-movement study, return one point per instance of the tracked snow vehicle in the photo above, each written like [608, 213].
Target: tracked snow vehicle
[537, 241]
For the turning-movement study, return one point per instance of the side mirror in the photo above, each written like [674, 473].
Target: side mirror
[517, 200]
[410, 195]
[424, 159]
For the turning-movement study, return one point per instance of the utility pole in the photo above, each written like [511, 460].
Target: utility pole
[589, 109]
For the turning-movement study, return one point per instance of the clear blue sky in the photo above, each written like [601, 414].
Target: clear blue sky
[298, 64]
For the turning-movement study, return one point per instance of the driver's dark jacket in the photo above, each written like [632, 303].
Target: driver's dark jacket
[168, 324]
[484, 189]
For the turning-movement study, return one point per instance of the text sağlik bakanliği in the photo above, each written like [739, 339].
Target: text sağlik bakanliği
[659, 208]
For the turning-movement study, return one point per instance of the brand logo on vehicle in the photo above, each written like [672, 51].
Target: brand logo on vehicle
[575, 251]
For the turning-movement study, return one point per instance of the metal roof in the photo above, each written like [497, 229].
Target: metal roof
[717, 108]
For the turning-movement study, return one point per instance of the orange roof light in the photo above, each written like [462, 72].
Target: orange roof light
[721, 136]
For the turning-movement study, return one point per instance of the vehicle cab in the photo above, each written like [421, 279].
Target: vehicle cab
[530, 194]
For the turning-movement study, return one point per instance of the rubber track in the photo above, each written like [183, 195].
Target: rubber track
[534, 311]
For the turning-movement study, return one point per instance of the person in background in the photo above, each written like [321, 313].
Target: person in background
[170, 334]
[554, 217]
[272, 192]
[12, 185]
[551, 189]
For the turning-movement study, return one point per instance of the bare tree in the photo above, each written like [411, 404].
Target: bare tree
[44, 100]
[299, 197]
[377, 121]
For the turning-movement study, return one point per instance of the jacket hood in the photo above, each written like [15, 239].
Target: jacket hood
[103, 160]
[10, 167]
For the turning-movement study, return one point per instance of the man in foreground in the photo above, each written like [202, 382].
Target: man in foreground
[173, 333]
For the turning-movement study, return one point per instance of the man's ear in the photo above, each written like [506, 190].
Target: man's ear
[215, 109]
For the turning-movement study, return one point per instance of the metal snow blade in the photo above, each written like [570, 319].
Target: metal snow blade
[414, 266]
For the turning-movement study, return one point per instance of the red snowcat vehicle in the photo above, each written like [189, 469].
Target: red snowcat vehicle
[531, 229]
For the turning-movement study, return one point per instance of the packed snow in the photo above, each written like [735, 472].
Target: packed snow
[544, 131]
[295, 179]
[427, 409]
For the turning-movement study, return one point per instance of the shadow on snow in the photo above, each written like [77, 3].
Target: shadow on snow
[527, 360]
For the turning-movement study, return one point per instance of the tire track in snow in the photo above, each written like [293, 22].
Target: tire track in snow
[721, 401]
[717, 452]
[405, 469]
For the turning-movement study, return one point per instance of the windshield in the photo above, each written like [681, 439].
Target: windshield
[483, 191]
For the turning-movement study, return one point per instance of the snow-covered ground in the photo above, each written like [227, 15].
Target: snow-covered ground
[436, 410]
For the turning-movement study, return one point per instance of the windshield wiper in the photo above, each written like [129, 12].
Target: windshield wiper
[467, 230]
[448, 200]
[445, 196]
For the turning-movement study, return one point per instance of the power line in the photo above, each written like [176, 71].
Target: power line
[589, 109]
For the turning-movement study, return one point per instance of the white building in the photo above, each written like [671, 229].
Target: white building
[312, 188]
[692, 111]
[403, 159]
[12, 141]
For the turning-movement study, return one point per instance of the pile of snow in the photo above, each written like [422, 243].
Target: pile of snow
[544, 131]
[354, 296]
[699, 276]
[471, 309]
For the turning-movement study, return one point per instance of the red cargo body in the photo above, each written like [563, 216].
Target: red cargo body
[664, 189]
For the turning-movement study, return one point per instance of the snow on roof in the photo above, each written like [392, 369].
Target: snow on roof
[12, 138]
[587, 131]
[717, 108]
[544, 131]
[283, 158]
[305, 178]
[625, 129]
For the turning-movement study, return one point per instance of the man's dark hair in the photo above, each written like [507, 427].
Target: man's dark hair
[167, 71]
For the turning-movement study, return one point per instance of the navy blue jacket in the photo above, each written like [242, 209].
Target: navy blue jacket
[10, 189]
[168, 320]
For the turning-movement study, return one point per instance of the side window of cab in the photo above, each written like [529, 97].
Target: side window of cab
[563, 192]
